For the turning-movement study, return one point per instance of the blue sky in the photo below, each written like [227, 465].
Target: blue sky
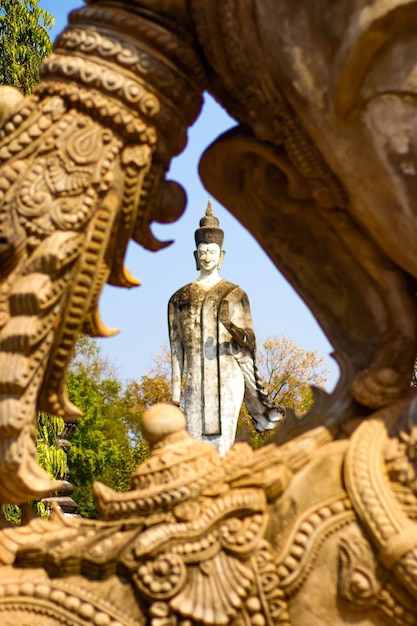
[141, 315]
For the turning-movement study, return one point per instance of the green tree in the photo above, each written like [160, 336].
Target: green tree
[50, 456]
[103, 446]
[153, 387]
[24, 42]
[107, 444]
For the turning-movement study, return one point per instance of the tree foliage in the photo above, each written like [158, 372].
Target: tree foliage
[50, 454]
[288, 372]
[24, 42]
[142, 395]
[107, 444]
[153, 387]
[104, 446]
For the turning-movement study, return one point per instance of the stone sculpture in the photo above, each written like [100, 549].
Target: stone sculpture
[80, 175]
[318, 527]
[320, 530]
[211, 329]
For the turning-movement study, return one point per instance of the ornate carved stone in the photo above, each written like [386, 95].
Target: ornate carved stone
[318, 527]
[244, 539]
[82, 162]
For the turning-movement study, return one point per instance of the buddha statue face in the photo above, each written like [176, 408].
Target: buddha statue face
[209, 257]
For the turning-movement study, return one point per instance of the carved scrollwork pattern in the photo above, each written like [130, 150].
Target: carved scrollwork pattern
[390, 527]
[208, 567]
[265, 110]
[364, 584]
[358, 580]
[28, 603]
[239, 536]
[54, 198]
[275, 607]
[312, 528]
[162, 577]
[220, 589]
[82, 162]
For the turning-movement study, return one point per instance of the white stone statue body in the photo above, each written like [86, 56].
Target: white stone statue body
[211, 331]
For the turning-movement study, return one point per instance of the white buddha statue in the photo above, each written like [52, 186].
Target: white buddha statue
[211, 331]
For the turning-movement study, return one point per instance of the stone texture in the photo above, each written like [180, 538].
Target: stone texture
[318, 527]
[213, 347]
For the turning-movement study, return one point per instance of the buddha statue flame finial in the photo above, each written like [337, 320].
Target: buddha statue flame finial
[209, 231]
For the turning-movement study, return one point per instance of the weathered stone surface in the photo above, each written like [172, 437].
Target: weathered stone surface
[213, 346]
[81, 165]
[318, 528]
[321, 528]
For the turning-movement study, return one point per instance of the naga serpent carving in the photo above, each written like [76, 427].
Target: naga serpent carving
[244, 539]
[319, 526]
[81, 174]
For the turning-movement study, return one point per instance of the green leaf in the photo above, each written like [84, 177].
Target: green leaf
[24, 42]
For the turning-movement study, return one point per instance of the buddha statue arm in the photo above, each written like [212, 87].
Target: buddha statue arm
[237, 320]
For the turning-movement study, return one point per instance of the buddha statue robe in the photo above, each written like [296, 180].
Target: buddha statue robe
[215, 385]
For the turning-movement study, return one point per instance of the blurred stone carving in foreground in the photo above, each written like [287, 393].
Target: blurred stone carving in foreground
[318, 527]
[255, 537]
